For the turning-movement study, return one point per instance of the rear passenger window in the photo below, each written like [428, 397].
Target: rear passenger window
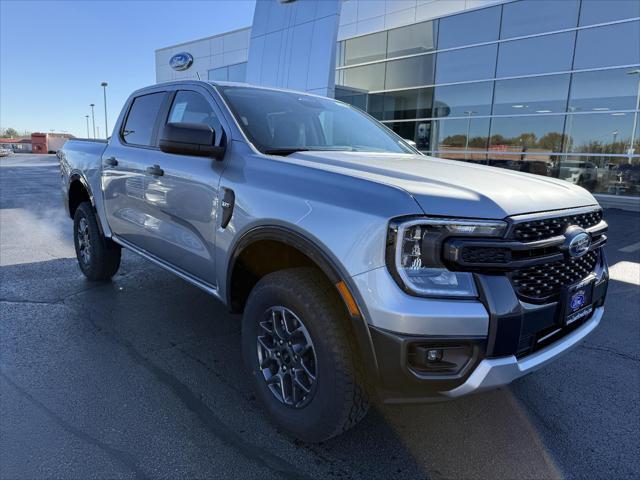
[138, 129]
[191, 107]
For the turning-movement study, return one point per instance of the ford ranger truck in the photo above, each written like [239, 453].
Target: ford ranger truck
[363, 269]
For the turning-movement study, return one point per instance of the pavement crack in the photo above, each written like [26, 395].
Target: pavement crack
[124, 458]
[612, 351]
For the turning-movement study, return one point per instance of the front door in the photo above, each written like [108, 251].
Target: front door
[182, 194]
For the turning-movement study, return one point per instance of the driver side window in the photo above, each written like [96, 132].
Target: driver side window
[192, 107]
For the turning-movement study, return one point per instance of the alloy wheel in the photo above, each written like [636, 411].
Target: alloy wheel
[84, 241]
[287, 357]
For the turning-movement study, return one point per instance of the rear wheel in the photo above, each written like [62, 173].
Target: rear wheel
[98, 257]
[297, 348]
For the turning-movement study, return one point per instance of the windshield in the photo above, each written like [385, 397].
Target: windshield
[280, 123]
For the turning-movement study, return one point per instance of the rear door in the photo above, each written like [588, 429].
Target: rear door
[182, 200]
[124, 179]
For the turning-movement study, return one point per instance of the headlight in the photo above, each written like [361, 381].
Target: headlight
[414, 254]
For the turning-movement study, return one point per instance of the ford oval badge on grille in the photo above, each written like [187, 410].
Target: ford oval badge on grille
[181, 61]
[577, 241]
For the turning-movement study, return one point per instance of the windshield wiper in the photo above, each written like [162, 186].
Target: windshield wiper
[289, 150]
[285, 151]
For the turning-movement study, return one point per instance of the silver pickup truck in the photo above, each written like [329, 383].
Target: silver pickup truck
[363, 269]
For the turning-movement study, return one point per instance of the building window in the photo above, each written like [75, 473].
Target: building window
[410, 72]
[365, 49]
[606, 133]
[460, 134]
[366, 77]
[547, 94]
[406, 104]
[533, 134]
[352, 97]
[528, 17]
[219, 74]
[611, 45]
[230, 73]
[419, 132]
[603, 90]
[551, 53]
[500, 88]
[476, 63]
[601, 11]
[417, 38]
[469, 28]
[463, 100]
[238, 72]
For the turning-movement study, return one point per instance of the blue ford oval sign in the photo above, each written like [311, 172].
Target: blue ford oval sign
[181, 61]
[577, 241]
[579, 244]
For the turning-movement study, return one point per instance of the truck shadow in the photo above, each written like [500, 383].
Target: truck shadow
[189, 345]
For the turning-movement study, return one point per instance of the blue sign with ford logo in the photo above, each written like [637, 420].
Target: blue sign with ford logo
[181, 61]
[577, 300]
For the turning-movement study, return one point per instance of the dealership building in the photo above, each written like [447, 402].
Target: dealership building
[550, 87]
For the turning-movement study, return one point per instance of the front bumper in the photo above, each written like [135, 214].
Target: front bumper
[495, 372]
[494, 339]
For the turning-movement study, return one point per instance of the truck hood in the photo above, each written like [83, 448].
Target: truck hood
[453, 188]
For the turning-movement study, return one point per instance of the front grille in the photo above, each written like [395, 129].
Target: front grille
[533, 230]
[544, 282]
[486, 255]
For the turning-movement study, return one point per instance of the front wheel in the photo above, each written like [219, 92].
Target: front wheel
[98, 257]
[297, 348]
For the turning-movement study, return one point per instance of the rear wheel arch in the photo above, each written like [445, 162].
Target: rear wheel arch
[282, 248]
[78, 192]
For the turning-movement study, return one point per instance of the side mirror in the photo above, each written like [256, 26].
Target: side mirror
[196, 139]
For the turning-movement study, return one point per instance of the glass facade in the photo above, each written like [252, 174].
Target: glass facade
[230, 73]
[542, 86]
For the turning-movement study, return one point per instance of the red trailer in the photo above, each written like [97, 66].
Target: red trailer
[48, 142]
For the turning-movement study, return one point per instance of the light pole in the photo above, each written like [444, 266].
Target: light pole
[106, 125]
[466, 142]
[635, 116]
[93, 118]
[87, 117]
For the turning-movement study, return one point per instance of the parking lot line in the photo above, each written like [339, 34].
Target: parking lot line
[634, 247]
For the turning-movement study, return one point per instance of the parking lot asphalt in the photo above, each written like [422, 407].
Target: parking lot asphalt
[142, 377]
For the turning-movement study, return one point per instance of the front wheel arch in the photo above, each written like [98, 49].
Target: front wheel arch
[305, 253]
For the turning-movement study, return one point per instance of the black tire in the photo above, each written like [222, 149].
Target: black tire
[103, 259]
[339, 398]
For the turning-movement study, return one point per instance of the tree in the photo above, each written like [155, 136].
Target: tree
[552, 141]
[10, 133]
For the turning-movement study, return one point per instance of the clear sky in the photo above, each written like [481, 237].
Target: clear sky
[54, 54]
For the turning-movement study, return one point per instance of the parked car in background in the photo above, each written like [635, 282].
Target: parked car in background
[581, 173]
[5, 151]
[361, 267]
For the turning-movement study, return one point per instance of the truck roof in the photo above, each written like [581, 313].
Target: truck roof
[224, 84]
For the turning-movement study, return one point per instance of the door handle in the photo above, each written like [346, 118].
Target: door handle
[155, 170]
[111, 162]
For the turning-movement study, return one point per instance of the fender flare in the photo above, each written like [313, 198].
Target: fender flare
[77, 176]
[329, 265]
